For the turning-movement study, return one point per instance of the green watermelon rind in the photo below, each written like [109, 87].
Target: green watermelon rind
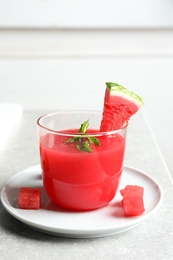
[118, 90]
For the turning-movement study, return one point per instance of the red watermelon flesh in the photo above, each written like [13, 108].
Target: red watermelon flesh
[132, 190]
[132, 202]
[29, 198]
[119, 105]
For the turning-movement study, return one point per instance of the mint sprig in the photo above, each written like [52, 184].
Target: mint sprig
[83, 141]
[84, 127]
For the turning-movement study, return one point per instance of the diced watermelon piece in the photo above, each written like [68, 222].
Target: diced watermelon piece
[119, 105]
[29, 198]
[132, 202]
[132, 190]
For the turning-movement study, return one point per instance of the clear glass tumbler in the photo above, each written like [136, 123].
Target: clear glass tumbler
[81, 171]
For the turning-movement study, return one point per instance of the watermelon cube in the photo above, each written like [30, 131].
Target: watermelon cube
[132, 202]
[132, 190]
[29, 198]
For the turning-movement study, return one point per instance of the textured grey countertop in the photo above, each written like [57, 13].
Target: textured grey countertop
[152, 239]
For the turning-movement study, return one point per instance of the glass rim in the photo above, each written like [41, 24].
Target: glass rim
[59, 132]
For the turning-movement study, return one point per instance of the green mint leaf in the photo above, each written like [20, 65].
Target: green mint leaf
[73, 139]
[83, 141]
[84, 127]
[70, 140]
[85, 147]
[94, 140]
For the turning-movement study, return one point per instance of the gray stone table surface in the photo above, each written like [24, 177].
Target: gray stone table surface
[152, 239]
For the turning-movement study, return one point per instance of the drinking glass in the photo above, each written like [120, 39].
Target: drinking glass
[81, 171]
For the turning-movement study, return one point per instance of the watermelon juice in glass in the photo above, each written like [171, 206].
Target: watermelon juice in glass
[81, 166]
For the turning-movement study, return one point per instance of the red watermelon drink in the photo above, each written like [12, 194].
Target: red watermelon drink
[81, 167]
[82, 152]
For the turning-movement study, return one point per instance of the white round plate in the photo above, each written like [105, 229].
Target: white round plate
[55, 220]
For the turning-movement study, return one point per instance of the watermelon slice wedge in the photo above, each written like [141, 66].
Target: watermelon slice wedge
[119, 105]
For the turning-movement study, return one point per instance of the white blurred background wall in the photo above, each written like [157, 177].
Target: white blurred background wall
[59, 54]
